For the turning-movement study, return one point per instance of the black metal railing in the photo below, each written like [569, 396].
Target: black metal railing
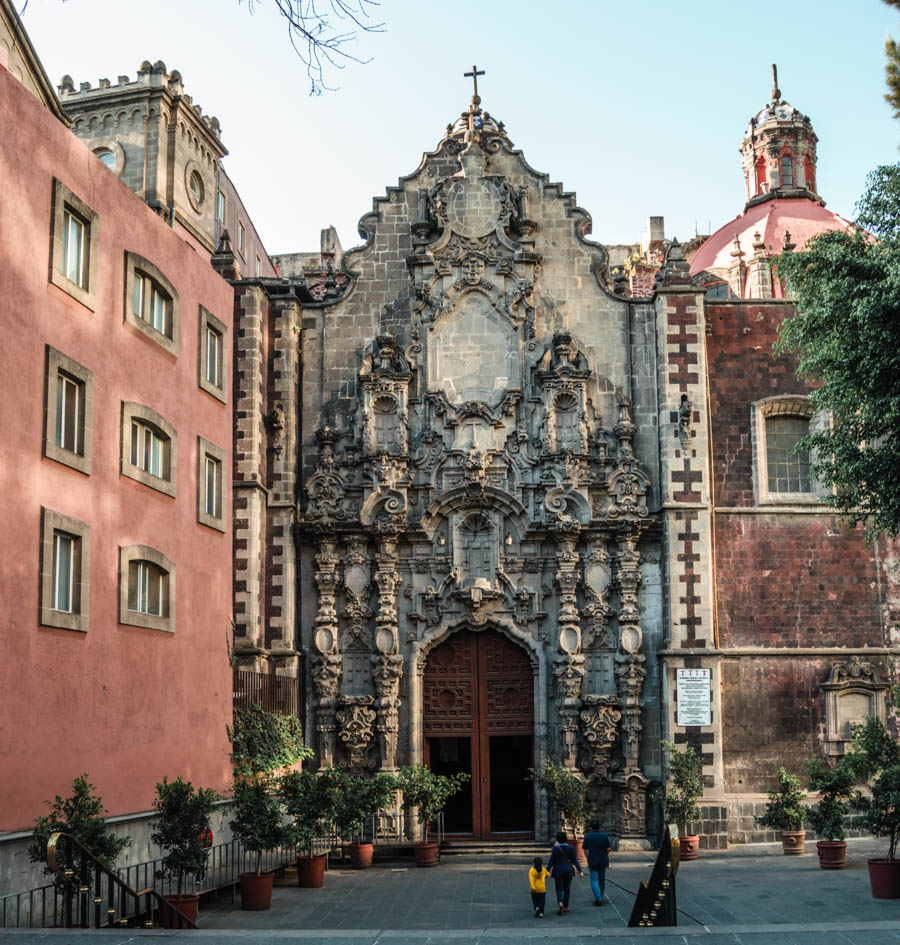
[95, 896]
[279, 694]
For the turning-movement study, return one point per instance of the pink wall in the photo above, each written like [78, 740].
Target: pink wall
[126, 705]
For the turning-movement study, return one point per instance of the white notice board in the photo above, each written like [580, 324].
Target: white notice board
[694, 696]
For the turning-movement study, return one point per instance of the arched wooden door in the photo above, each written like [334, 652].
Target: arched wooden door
[479, 718]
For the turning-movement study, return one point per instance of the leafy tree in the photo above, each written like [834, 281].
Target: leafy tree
[785, 809]
[566, 790]
[874, 757]
[264, 741]
[892, 96]
[359, 797]
[180, 826]
[429, 792]
[684, 787]
[320, 32]
[312, 800]
[846, 334]
[81, 816]
[258, 819]
[834, 787]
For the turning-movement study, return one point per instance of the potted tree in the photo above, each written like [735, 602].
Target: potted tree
[786, 811]
[428, 793]
[359, 798]
[875, 759]
[80, 816]
[567, 792]
[683, 789]
[180, 828]
[311, 800]
[834, 787]
[258, 825]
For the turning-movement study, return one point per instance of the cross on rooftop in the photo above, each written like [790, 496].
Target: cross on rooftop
[473, 75]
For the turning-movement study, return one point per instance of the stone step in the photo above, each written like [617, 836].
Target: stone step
[495, 848]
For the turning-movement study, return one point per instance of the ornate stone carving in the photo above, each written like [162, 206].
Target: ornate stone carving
[357, 582]
[356, 719]
[387, 671]
[600, 716]
[326, 489]
[634, 805]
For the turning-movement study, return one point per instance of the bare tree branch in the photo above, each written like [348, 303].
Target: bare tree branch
[318, 38]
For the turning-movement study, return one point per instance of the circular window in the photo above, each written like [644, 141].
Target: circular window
[107, 157]
[195, 184]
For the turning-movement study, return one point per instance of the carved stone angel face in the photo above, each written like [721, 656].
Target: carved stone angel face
[473, 270]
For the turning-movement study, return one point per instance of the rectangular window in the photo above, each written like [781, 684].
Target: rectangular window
[788, 468]
[69, 399]
[147, 449]
[213, 486]
[73, 255]
[145, 588]
[150, 304]
[213, 356]
[258, 267]
[220, 208]
[240, 238]
[63, 571]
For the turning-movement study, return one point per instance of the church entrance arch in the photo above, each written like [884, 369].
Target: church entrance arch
[478, 718]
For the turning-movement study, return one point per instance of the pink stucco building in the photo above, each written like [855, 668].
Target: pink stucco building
[115, 511]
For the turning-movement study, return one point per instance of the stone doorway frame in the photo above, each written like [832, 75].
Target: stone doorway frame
[504, 625]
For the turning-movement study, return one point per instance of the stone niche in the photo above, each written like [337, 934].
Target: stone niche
[853, 691]
[473, 353]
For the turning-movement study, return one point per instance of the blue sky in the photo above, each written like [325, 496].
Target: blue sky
[640, 109]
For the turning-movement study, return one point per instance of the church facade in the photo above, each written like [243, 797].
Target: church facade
[492, 508]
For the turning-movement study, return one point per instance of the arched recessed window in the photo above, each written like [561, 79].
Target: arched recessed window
[476, 535]
[107, 158]
[787, 466]
[787, 171]
[146, 588]
[718, 291]
[783, 468]
[568, 436]
[761, 175]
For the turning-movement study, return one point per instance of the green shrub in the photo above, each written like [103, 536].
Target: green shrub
[785, 809]
[81, 816]
[182, 819]
[684, 786]
[834, 785]
[312, 801]
[567, 792]
[875, 759]
[360, 797]
[263, 742]
[258, 822]
[429, 792]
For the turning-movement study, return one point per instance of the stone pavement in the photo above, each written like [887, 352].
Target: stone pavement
[750, 895]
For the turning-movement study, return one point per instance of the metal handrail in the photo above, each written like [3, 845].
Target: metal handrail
[116, 888]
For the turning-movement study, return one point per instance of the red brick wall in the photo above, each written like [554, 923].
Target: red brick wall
[742, 370]
[794, 581]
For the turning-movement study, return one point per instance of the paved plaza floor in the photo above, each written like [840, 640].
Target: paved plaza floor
[749, 895]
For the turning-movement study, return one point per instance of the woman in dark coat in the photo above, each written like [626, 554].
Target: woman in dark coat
[562, 866]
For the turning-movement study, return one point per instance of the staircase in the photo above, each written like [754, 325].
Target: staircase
[95, 897]
[524, 848]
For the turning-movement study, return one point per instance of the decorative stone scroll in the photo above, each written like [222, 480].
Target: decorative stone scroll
[600, 717]
[356, 719]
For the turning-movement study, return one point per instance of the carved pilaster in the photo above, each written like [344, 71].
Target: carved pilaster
[630, 661]
[569, 663]
[326, 662]
[387, 670]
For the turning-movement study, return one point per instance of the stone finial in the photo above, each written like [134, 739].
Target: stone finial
[223, 260]
[759, 245]
[737, 252]
[676, 270]
[66, 84]
[788, 247]
[776, 92]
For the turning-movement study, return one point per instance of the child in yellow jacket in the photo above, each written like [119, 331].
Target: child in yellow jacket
[537, 879]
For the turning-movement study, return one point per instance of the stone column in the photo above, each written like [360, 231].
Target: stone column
[569, 662]
[326, 661]
[387, 663]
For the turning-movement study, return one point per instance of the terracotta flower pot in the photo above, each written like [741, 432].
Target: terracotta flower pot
[186, 905]
[361, 855]
[689, 846]
[311, 871]
[792, 841]
[577, 846]
[426, 854]
[256, 891]
[832, 854]
[884, 875]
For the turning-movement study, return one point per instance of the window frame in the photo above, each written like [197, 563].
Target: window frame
[792, 405]
[241, 238]
[787, 156]
[129, 554]
[78, 618]
[139, 413]
[56, 364]
[64, 203]
[209, 321]
[207, 450]
[138, 266]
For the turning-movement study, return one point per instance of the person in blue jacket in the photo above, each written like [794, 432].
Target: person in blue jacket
[596, 845]
[562, 866]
